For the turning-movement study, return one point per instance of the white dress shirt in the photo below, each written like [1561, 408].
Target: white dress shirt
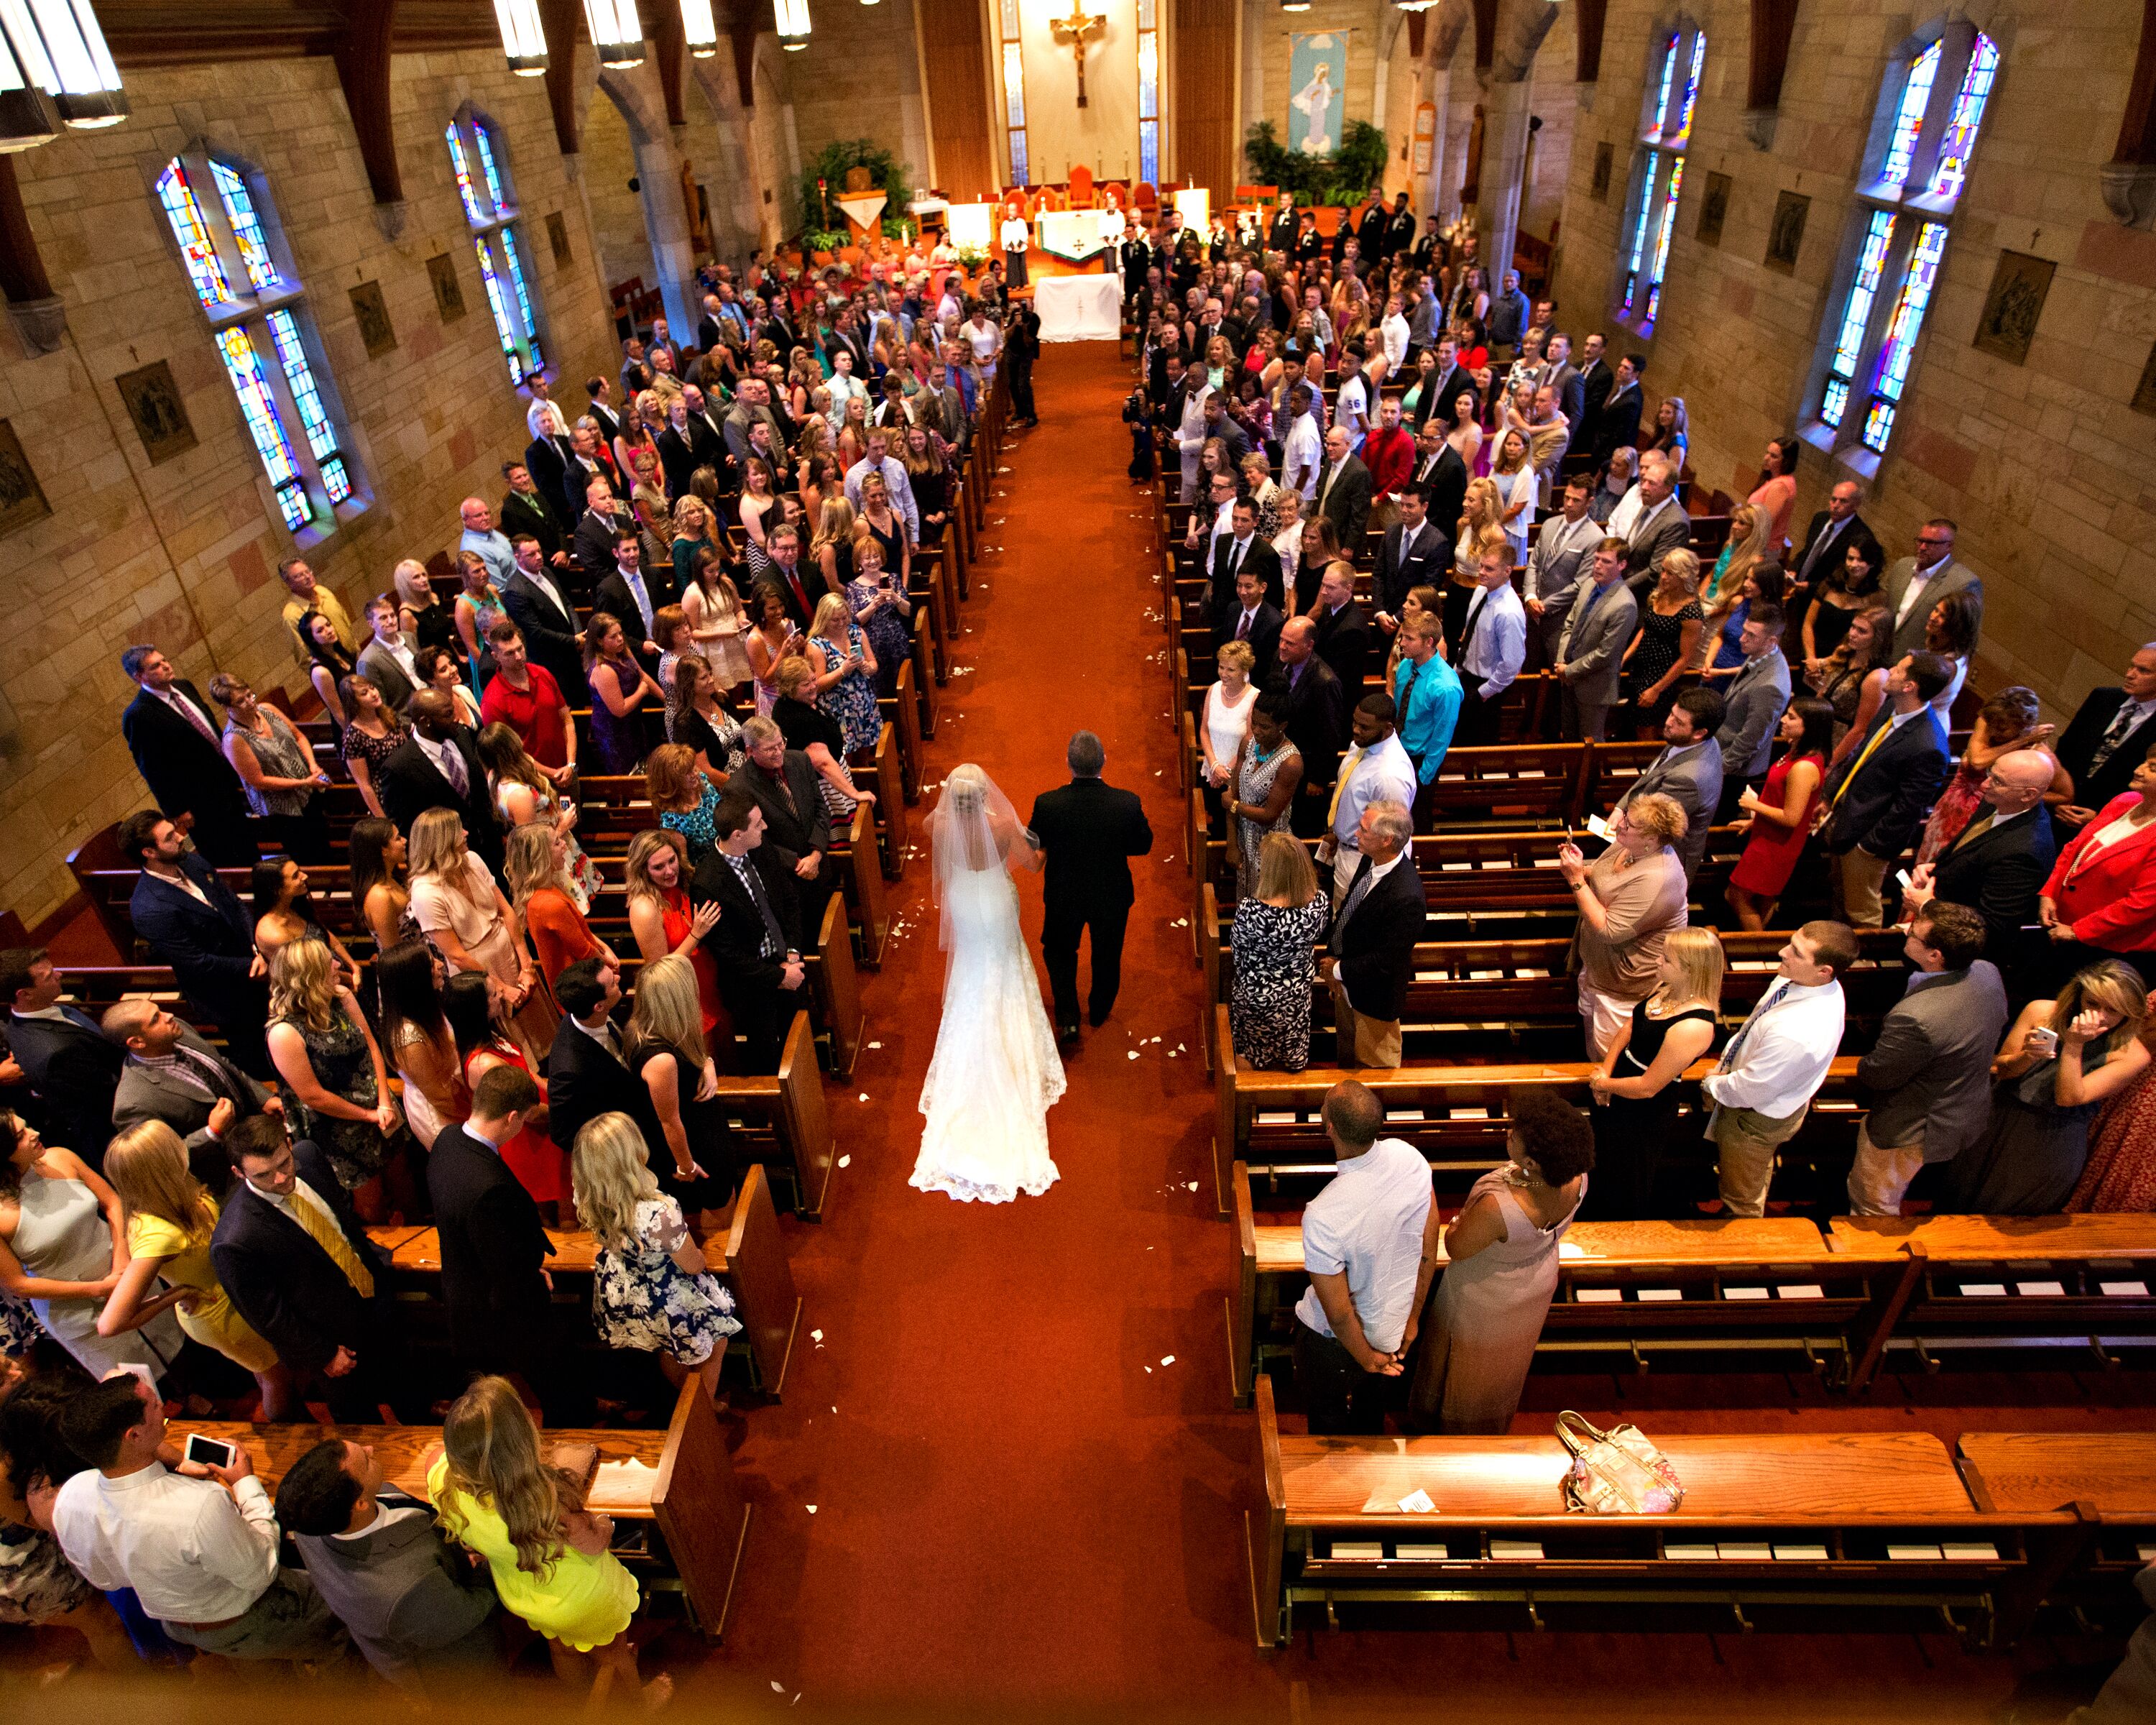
[1353, 409]
[1384, 773]
[439, 753]
[1787, 1045]
[188, 711]
[1305, 455]
[1633, 512]
[1369, 1222]
[1394, 330]
[192, 1552]
[1496, 630]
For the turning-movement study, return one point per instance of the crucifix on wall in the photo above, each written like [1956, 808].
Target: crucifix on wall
[1077, 30]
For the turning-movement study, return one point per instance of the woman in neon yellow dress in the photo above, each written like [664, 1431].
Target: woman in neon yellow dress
[494, 1492]
[170, 1220]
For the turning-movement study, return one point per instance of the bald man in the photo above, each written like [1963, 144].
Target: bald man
[482, 535]
[1997, 864]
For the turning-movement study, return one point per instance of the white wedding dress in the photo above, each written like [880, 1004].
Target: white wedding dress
[995, 1073]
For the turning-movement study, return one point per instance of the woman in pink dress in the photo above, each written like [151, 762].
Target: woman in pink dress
[1776, 493]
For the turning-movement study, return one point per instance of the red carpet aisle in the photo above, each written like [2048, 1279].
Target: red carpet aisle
[1009, 1476]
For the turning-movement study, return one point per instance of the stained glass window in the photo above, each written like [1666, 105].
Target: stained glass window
[1014, 64]
[196, 246]
[1148, 92]
[228, 241]
[490, 207]
[1650, 224]
[1936, 97]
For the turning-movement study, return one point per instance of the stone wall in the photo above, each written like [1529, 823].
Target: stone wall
[2043, 464]
[185, 553]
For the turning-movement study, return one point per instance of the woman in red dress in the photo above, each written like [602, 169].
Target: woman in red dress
[663, 921]
[473, 1004]
[1779, 813]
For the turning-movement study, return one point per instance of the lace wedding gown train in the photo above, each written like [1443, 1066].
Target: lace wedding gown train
[995, 1073]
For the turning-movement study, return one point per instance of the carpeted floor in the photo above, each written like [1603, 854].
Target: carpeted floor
[1008, 1476]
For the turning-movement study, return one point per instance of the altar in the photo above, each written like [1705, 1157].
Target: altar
[1078, 308]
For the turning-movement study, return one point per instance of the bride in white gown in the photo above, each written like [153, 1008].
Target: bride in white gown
[996, 1072]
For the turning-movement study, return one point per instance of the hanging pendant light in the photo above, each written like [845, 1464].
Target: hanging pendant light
[523, 37]
[55, 46]
[793, 17]
[617, 31]
[1295, 5]
[28, 117]
[698, 30]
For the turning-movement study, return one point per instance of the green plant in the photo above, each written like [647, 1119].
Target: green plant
[824, 239]
[831, 164]
[1341, 177]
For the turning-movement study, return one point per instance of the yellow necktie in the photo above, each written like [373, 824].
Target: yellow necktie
[326, 1234]
[1347, 772]
[1878, 737]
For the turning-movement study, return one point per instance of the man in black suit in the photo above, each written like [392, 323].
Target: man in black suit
[1370, 958]
[1088, 831]
[547, 460]
[297, 1264]
[1596, 380]
[1370, 229]
[1997, 864]
[758, 943]
[62, 1052]
[1561, 376]
[546, 616]
[173, 737]
[707, 440]
[1315, 716]
[1136, 258]
[677, 448]
[1418, 551]
[797, 821]
[1453, 382]
[1832, 530]
[1343, 492]
[194, 922]
[526, 512]
[1617, 422]
[586, 1074]
[625, 593]
[1238, 549]
[1281, 232]
[1399, 228]
[437, 767]
[1253, 619]
[2108, 736]
[798, 589]
[1877, 799]
[495, 1249]
[1344, 633]
[604, 519]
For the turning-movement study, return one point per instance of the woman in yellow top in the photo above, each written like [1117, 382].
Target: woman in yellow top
[170, 1220]
[494, 1493]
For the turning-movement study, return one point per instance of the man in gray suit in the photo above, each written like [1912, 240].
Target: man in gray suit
[1557, 564]
[1651, 522]
[174, 1075]
[1915, 584]
[386, 660]
[416, 1608]
[1596, 633]
[1930, 1069]
[1758, 694]
[1689, 769]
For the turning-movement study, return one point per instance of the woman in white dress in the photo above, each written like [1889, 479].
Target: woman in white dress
[995, 1073]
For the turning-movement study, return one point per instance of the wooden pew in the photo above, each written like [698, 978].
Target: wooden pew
[2106, 1474]
[753, 1266]
[1773, 1526]
[1628, 1292]
[2077, 1285]
[684, 1529]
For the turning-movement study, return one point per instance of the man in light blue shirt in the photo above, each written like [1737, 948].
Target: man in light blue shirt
[1426, 690]
[1493, 646]
[483, 536]
[879, 459]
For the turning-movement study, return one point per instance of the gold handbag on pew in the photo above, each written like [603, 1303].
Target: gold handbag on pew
[1617, 1472]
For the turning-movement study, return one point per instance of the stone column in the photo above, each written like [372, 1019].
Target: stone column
[1505, 110]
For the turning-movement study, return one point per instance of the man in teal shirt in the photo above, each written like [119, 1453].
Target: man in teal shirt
[1426, 690]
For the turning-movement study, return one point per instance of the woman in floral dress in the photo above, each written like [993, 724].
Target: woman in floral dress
[1276, 946]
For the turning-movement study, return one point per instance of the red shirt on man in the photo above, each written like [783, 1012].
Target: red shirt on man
[534, 713]
[1390, 456]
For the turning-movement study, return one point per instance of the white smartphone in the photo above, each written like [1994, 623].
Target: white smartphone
[1597, 826]
[1902, 875]
[211, 1452]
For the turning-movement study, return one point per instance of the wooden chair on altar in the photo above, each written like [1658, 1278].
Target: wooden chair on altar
[1148, 200]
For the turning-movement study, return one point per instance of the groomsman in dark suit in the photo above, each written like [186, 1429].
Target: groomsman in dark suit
[1088, 831]
[192, 921]
[1370, 958]
[1596, 380]
[758, 943]
[586, 1075]
[61, 1051]
[173, 738]
[524, 508]
[546, 617]
[1417, 552]
[437, 766]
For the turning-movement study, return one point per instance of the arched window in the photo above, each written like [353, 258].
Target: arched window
[481, 165]
[258, 313]
[1916, 165]
[1658, 168]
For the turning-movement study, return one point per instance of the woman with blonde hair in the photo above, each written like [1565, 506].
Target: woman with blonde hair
[878, 514]
[476, 610]
[1745, 550]
[846, 668]
[539, 888]
[276, 767]
[880, 609]
[695, 529]
[717, 618]
[685, 798]
[665, 1047]
[832, 549]
[495, 1492]
[1276, 932]
[1636, 1091]
[169, 1221]
[852, 445]
[651, 1289]
[663, 921]
[2061, 1059]
[1656, 665]
[1629, 899]
[336, 1084]
[1514, 480]
[467, 919]
[1225, 717]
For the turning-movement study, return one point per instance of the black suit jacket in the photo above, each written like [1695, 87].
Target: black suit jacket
[549, 638]
[737, 944]
[1596, 380]
[1260, 559]
[2092, 790]
[1617, 422]
[592, 544]
[612, 594]
[287, 1287]
[1857, 531]
[1438, 402]
[790, 833]
[1089, 831]
[677, 454]
[494, 1250]
[1348, 504]
[76, 1071]
[1343, 641]
[1316, 722]
[409, 784]
[1886, 803]
[1263, 639]
[1999, 874]
[210, 947]
[1427, 564]
[1373, 949]
[547, 459]
[584, 1081]
[522, 512]
[186, 773]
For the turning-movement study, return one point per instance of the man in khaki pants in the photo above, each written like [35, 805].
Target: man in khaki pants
[1370, 959]
[1767, 1076]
